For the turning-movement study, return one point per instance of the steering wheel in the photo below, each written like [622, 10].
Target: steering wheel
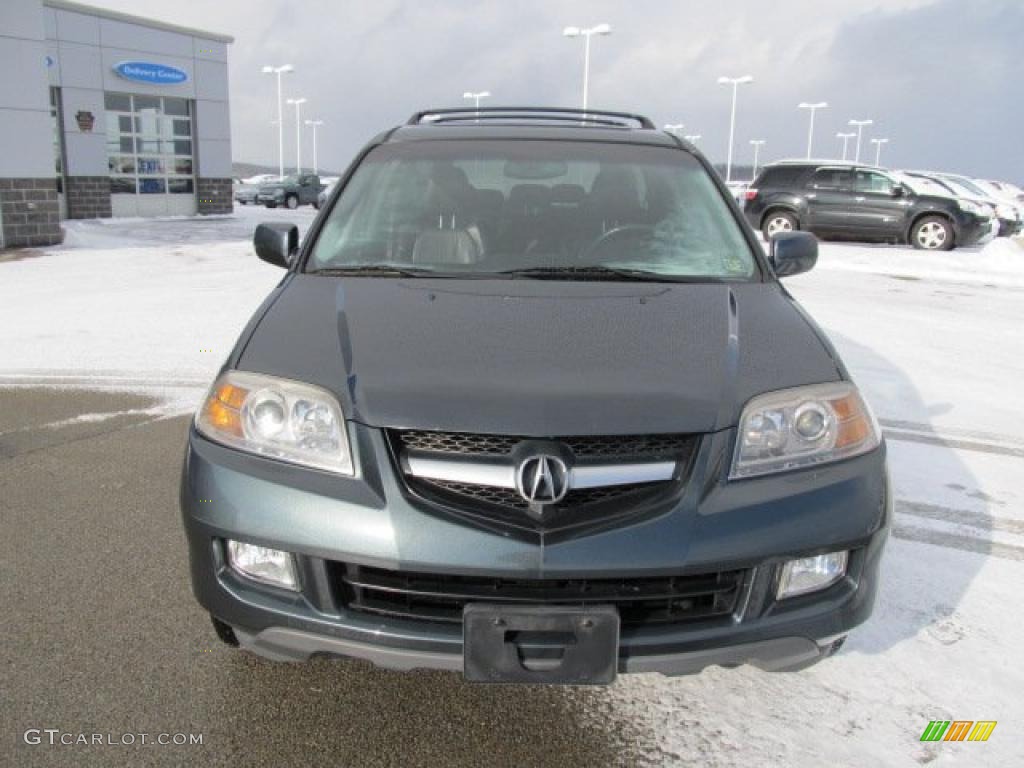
[615, 233]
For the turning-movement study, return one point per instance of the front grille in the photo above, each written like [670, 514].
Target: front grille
[580, 510]
[632, 447]
[441, 597]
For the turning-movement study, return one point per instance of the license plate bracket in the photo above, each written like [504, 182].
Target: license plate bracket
[540, 644]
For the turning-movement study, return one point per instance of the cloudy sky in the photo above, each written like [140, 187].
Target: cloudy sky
[942, 79]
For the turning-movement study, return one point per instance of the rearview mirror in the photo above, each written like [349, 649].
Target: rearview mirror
[793, 253]
[276, 242]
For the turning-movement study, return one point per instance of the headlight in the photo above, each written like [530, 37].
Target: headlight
[277, 417]
[970, 207]
[800, 427]
[1004, 211]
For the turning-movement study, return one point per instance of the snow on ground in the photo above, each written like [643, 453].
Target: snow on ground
[934, 341]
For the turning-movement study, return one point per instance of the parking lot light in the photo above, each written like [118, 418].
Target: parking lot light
[756, 144]
[810, 131]
[476, 96]
[314, 124]
[735, 82]
[878, 149]
[586, 34]
[846, 138]
[298, 134]
[859, 125]
[281, 70]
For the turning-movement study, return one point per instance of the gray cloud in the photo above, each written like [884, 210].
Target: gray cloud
[941, 78]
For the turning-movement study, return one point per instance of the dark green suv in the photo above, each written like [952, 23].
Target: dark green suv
[531, 403]
[291, 192]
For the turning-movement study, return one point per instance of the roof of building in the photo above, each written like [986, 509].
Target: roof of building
[92, 10]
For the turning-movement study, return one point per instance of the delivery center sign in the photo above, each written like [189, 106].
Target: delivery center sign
[151, 73]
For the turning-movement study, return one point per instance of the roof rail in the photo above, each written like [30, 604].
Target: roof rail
[598, 117]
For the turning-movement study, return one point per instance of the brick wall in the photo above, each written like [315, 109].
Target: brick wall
[29, 212]
[214, 196]
[87, 197]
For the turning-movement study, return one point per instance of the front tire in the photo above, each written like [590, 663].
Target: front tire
[292, 202]
[932, 233]
[778, 221]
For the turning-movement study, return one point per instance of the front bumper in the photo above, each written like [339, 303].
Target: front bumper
[975, 230]
[368, 520]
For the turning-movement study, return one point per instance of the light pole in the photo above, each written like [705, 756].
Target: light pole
[693, 138]
[757, 144]
[859, 125]
[476, 97]
[674, 128]
[846, 138]
[878, 149]
[810, 131]
[298, 133]
[314, 124]
[586, 34]
[735, 82]
[281, 70]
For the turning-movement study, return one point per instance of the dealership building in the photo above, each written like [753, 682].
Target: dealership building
[106, 114]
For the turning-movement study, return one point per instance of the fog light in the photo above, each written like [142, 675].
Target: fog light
[809, 574]
[270, 566]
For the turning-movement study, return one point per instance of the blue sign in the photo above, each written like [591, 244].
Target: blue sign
[147, 72]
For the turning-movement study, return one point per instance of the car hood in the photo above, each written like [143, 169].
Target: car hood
[538, 357]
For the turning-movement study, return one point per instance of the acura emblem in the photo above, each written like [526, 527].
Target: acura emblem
[542, 479]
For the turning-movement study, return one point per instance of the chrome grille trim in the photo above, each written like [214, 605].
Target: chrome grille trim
[502, 474]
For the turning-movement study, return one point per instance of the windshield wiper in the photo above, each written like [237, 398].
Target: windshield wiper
[590, 272]
[376, 270]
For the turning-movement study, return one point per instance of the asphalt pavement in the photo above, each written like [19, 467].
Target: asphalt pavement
[102, 641]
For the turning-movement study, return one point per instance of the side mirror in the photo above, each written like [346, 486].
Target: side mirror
[793, 253]
[898, 190]
[276, 242]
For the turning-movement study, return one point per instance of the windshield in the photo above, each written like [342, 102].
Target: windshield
[925, 186]
[965, 187]
[535, 208]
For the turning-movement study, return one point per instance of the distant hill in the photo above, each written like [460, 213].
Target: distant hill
[245, 170]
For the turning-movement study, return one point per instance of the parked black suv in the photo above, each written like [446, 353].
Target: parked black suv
[530, 402]
[842, 200]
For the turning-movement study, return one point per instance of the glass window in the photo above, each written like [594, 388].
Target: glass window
[143, 103]
[117, 102]
[487, 207]
[152, 186]
[176, 107]
[146, 147]
[831, 178]
[58, 155]
[121, 164]
[875, 183]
